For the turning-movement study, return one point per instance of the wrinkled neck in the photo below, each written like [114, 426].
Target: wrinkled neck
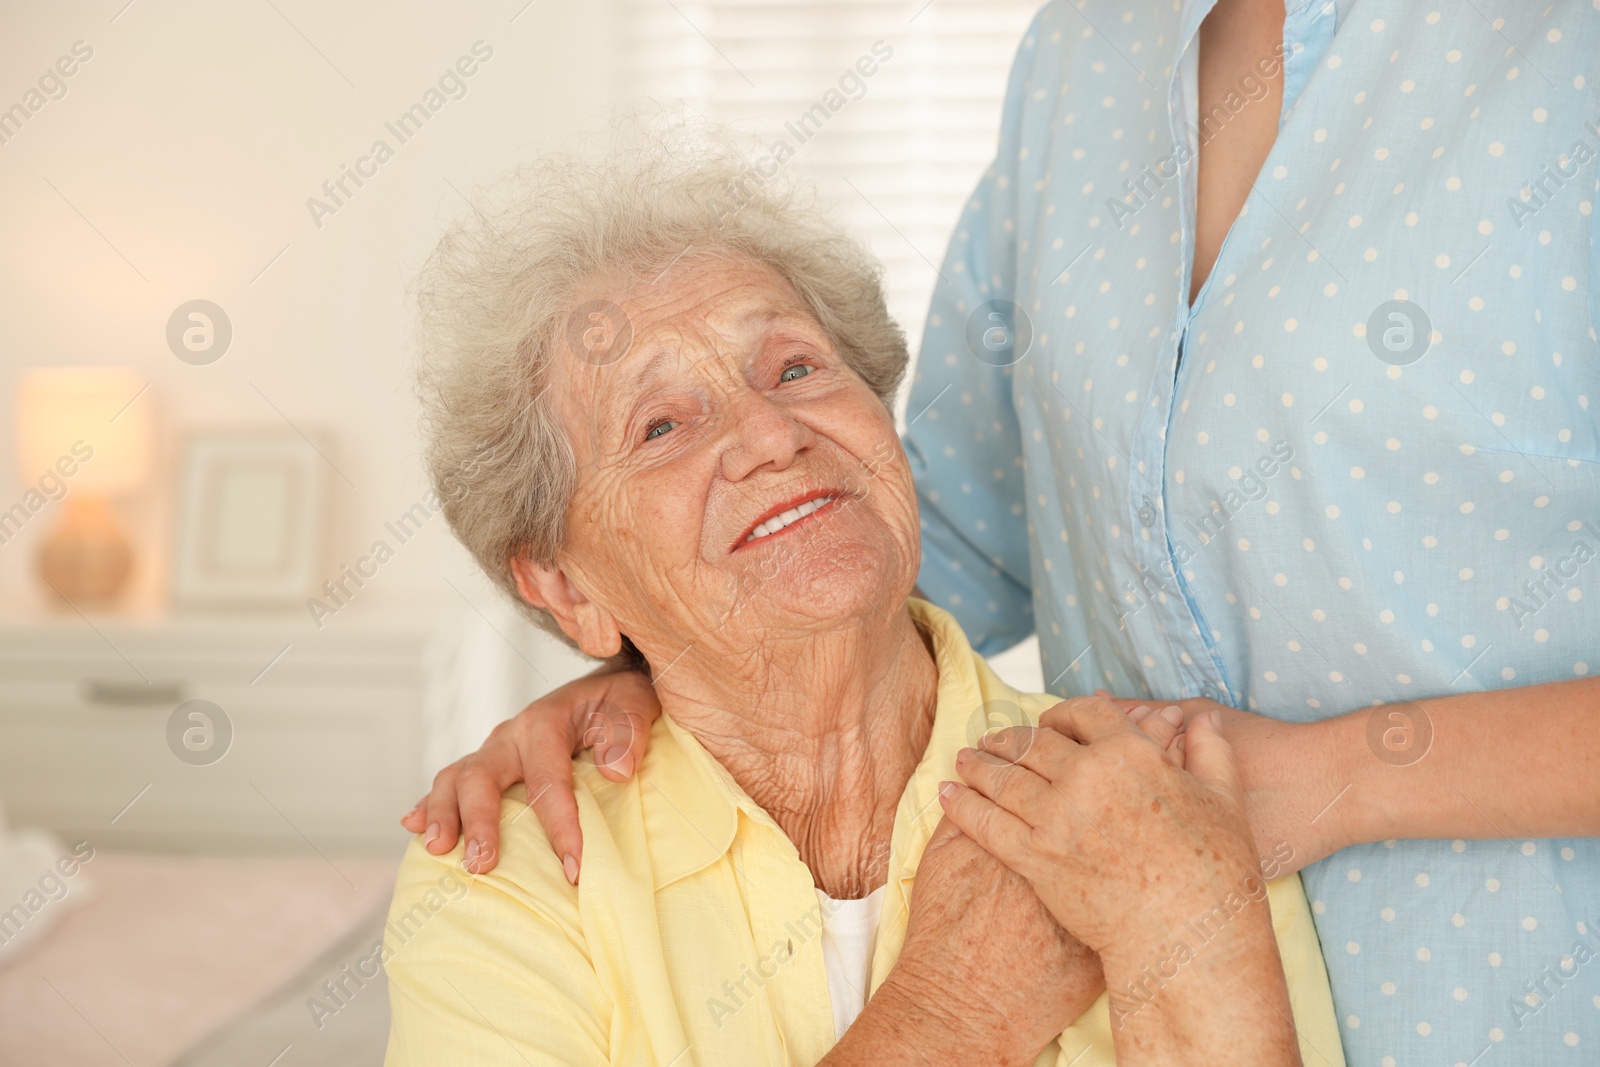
[822, 731]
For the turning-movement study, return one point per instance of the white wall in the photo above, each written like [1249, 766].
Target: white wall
[191, 142]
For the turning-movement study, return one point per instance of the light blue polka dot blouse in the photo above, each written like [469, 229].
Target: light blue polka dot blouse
[1372, 476]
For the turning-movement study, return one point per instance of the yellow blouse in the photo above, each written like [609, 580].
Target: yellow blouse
[692, 937]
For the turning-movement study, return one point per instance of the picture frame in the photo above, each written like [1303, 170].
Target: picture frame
[251, 517]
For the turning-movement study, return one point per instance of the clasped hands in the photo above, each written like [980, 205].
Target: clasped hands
[1125, 825]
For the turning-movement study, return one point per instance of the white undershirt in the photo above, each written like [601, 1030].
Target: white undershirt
[849, 933]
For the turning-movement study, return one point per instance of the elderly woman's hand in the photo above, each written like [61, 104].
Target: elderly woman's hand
[608, 711]
[1128, 847]
[1114, 834]
[986, 960]
[1289, 773]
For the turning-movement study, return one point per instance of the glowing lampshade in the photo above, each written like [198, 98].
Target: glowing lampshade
[64, 413]
[83, 436]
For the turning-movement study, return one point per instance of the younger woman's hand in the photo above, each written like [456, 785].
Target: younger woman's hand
[610, 712]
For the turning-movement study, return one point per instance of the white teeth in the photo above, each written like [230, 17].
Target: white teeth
[778, 522]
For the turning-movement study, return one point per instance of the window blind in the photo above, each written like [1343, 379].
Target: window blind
[896, 151]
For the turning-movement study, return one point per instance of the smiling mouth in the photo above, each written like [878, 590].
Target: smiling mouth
[788, 517]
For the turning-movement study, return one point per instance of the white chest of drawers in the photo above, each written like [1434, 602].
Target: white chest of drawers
[327, 730]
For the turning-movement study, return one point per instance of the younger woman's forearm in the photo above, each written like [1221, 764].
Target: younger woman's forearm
[1511, 763]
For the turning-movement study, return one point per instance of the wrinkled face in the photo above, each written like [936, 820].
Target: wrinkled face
[736, 480]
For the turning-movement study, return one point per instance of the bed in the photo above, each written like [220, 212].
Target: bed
[202, 962]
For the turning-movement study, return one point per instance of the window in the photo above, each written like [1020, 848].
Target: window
[898, 150]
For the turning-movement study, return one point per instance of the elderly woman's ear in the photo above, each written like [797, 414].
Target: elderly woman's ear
[587, 623]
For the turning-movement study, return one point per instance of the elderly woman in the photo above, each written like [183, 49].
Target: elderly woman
[682, 383]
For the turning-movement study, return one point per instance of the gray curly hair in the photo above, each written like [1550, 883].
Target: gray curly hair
[496, 294]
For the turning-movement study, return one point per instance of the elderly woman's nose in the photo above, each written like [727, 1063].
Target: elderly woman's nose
[761, 434]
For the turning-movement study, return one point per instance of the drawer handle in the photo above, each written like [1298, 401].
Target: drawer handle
[135, 694]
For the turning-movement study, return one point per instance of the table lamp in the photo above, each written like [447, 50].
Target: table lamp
[82, 440]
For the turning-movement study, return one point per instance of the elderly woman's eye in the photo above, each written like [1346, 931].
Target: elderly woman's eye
[658, 428]
[794, 371]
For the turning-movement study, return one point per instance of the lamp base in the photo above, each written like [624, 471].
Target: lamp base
[86, 558]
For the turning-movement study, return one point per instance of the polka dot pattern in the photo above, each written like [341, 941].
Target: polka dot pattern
[1243, 501]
